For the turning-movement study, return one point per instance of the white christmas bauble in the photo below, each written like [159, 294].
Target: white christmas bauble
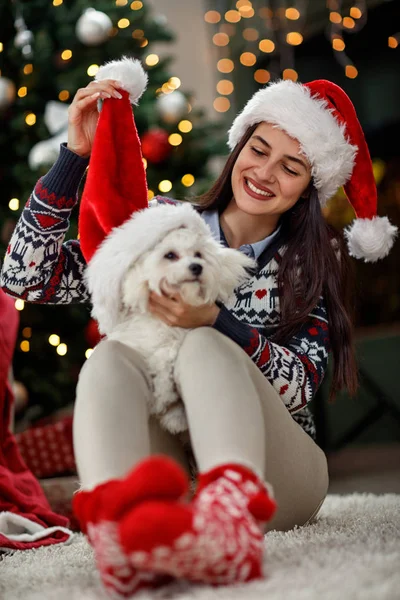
[93, 27]
[23, 38]
[56, 116]
[172, 107]
[27, 51]
[160, 20]
[44, 153]
[7, 92]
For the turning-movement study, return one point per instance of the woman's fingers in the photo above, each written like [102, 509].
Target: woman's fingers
[114, 82]
[83, 116]
[105, 91]
[109, 86]
[76, 110]
[159, 313]
[159, 302]
[104, 88]
[165, 301]
[85, 97]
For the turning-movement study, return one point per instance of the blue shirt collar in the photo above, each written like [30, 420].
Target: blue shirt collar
[211, 217]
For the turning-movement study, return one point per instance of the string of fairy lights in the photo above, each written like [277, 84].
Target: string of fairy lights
[248, 31]
[54, 339]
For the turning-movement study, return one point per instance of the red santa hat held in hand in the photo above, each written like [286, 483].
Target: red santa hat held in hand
[116, 183]
[323, 119]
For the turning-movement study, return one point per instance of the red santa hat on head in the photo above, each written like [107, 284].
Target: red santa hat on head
[323, 119]
[116, 183]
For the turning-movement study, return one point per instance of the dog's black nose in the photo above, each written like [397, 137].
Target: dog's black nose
[195, 268]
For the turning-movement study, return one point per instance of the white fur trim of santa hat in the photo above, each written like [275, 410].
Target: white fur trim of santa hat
[123, 246]
[370, 239]
[129, 72]
[291, 107]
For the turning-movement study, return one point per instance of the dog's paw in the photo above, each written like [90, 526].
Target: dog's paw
[175, 420]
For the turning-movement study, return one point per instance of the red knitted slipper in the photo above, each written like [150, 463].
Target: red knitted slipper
[217, 538]
[100, 510]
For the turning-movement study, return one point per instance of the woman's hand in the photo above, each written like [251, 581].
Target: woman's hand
[83, 114]
[174, 311]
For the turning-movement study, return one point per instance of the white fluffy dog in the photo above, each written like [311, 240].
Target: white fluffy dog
[165, 249]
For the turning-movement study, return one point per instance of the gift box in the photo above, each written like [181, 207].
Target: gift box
[48, 450]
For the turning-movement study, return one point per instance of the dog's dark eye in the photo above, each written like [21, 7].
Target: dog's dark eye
[171, 256]
[198, 255]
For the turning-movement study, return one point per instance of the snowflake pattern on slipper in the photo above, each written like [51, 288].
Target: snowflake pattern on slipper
[101, 509]
[119, 577]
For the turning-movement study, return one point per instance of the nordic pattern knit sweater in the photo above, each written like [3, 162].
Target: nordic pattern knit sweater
[40, 267]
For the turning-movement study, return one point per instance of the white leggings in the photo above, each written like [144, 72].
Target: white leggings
[234, 415]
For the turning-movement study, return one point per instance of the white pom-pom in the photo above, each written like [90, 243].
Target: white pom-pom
[370, 239]
[129, 72]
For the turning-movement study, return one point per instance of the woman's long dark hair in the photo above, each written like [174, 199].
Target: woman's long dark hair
[315, 263]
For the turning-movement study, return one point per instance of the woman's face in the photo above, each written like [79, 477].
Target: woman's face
[270, 174]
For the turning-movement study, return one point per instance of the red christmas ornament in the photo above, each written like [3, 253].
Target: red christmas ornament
[92, 334]
[155, 145]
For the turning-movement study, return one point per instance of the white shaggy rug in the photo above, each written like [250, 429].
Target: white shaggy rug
[351, 552]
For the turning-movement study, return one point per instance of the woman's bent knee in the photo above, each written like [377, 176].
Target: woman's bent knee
[111, 358]
[201, 337]
[203, 341]
[300, 494]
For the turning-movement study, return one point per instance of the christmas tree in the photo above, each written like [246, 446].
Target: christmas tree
[48, 50]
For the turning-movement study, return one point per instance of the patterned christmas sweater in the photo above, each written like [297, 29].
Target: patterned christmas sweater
[39, 266]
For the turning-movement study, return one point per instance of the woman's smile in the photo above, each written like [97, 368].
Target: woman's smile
[257, 191]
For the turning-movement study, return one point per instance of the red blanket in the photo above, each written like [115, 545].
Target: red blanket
[26, 520]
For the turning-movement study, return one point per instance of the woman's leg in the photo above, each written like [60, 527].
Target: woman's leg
[112, 427]
[112, 436]
[236, 416]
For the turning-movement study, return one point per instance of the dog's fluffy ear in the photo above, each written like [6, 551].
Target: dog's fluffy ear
[113, 301]
[235, 269]
[135, 290]
[105, 291]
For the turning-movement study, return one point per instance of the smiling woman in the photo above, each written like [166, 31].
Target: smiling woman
[248, 366]
[268, 178]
